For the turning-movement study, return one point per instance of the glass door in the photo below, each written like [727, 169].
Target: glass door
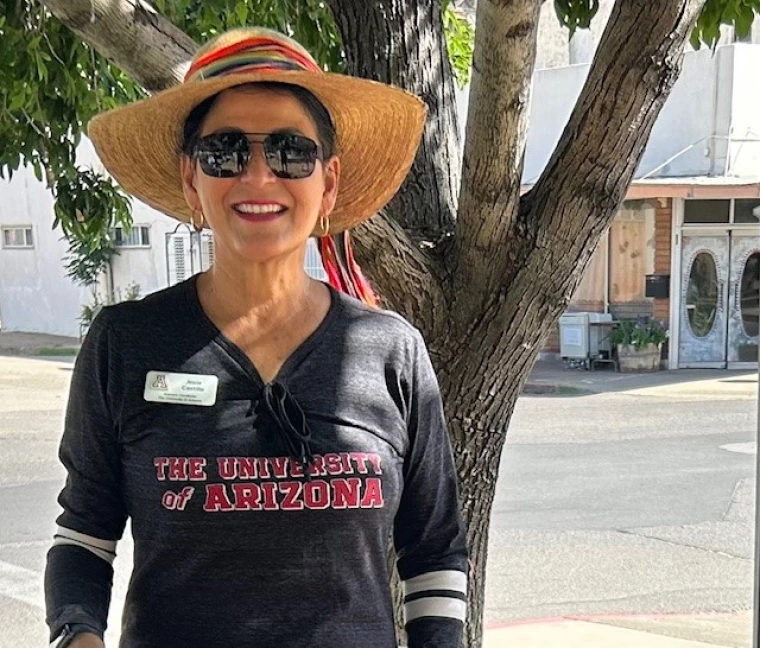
[743, 299]
[704, 301]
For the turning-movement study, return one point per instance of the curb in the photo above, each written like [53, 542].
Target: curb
[45, 352]
[551, 389]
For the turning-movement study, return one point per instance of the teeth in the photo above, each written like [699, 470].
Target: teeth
[258, 209]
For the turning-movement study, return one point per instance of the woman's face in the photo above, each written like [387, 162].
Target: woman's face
[256, 215]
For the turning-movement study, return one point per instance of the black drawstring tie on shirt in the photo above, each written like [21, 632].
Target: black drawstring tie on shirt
[291, 421]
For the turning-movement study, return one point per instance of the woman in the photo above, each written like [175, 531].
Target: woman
[266, 434]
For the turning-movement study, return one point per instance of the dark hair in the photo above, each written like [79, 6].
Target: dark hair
[313, 106]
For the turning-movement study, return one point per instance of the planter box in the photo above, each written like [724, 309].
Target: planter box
[631, 359]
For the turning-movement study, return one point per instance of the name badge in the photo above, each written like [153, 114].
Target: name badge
[179, 388]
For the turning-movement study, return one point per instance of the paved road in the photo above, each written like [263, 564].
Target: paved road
[613, 503]
[608, 503]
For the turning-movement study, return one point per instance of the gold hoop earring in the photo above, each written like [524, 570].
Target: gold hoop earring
[324, 224]
[198, 227]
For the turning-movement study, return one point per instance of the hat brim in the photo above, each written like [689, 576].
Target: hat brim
[378, 131]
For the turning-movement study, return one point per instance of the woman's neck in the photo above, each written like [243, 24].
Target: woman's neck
[263, 293]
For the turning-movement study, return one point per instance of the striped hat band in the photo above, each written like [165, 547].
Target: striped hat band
[264, 51]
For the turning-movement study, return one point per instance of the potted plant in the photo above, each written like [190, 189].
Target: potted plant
[638, 344]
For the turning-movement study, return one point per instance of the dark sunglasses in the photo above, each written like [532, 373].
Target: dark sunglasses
[226, 155]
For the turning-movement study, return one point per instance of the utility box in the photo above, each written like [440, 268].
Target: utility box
[584, 336]
[573, 336]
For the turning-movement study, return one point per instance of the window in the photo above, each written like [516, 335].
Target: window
[747, 211]
[707, 211]
[207, 250]
[18, 237]
[138, 236]
[313, 262]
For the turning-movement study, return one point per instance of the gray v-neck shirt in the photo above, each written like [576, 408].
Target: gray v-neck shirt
[234, 544]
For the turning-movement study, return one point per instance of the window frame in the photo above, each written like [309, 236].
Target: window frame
[28, 236]
[143, 229]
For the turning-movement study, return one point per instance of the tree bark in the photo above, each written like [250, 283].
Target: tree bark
[132, 35]
[497, 124]
[396, 264]
[517, 260]
[401, 42]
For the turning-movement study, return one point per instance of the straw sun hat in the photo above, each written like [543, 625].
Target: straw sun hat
[378, 126]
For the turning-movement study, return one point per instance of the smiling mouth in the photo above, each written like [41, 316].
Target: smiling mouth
[259, 213]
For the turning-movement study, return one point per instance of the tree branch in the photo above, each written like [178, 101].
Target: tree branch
[638, 61]
[389, 255]
[131, 34]
[504, 56]
[401, 42]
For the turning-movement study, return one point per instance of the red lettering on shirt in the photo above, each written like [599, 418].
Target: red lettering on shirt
[196, 469]
[160, 463]
[291, 489]
[279, 466]
[346, 493]
[227, 467]
[216, 499]
[270, 501]
[247, 497]
[373, 494]
[177, 469]
[316, 495]
[247, 467]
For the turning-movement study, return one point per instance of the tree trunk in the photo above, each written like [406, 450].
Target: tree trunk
[486, 294]
[402, 42]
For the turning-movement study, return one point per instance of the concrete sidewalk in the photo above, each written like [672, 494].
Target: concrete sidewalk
[552, 377]
[664, 631]
[18, 343]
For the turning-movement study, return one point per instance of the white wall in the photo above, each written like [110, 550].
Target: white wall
[693, 120]
[553, 97]
[744, 142]
[145, 266]
[716, 95]
[35, 294]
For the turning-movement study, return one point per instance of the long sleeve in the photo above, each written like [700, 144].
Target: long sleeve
[79, 572]
[429, 534]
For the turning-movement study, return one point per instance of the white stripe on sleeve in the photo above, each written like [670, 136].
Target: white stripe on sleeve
[455, 581]
[105, 549]
[435, 606]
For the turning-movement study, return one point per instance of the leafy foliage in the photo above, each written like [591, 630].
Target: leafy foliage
[310, 22]
[87, 208]
[740, 13]
[460, 39]
[51, 84]
[638, 332]
[576, 14]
